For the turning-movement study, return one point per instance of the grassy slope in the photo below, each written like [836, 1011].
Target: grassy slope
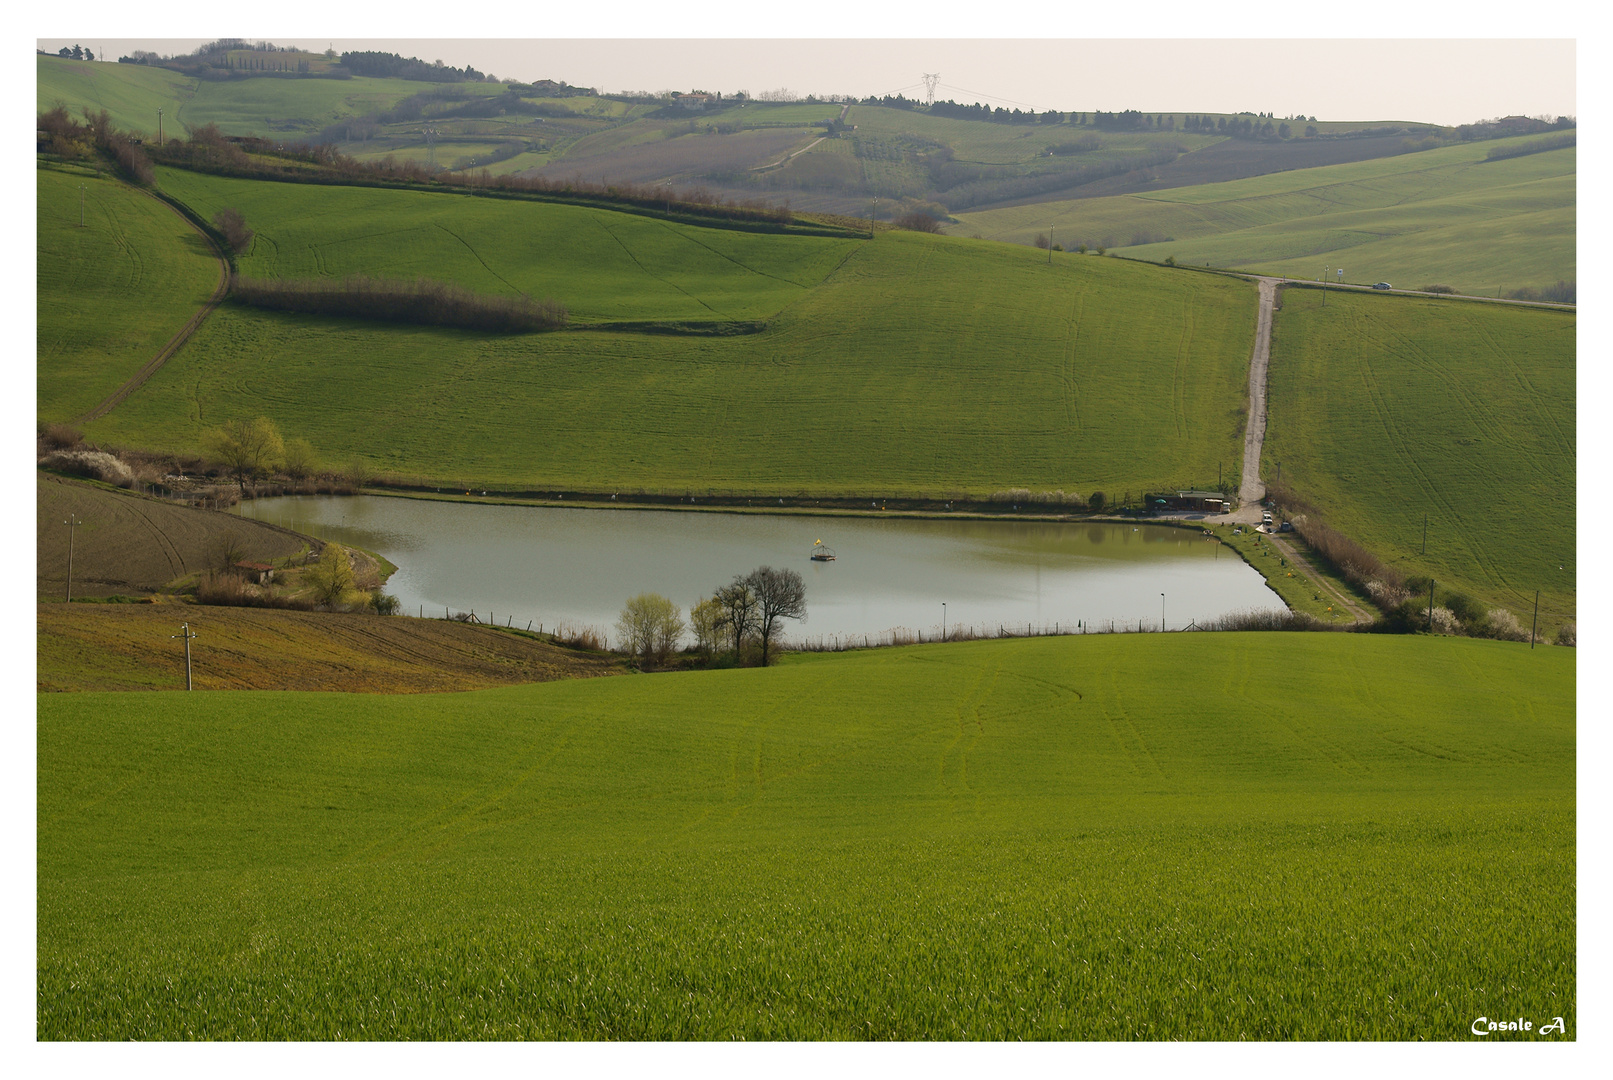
[1385, 408]
[111, 294]
[987, 840]
[293, 108]
[297, 108]
[1443, 216]
[602, 265]
[130, 93]
[924, 364]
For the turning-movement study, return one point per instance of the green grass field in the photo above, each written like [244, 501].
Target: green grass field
[1442, 216]
[922, 365]
[1326, 837]
[1383, 409]
[109, 295]
[603, 265]
[291, 108]
[130, 93]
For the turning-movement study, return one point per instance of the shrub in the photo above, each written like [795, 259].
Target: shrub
[1502, 625]
[919, 221]
[1095, 501]
[1269, 620]
[383, 603]
[649, 627]
[95, 464]
[232, 224]
[1438, 289]
[60, 436]
[432, 303]
[1566, 634]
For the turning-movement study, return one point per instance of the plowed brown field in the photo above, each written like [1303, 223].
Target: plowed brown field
[131, 647]
[133, 544]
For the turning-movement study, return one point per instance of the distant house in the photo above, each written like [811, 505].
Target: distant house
[694, 102]
[256, 572]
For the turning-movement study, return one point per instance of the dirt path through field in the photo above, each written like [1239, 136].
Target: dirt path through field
[151, 366]
[1286, 550]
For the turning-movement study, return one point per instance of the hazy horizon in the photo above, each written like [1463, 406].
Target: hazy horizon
[1435, 81]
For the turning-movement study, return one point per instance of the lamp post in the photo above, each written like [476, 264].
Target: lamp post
[943, 620]
[1161, 613]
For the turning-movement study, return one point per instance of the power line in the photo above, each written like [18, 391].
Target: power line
[989, 97]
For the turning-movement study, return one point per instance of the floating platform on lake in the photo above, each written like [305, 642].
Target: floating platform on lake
[821, 553]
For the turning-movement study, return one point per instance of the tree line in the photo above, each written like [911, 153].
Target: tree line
[742, 619]
[421, 301]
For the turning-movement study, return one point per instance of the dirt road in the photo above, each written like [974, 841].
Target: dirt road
[1251, 490]
[150, 367]
[1287, 551]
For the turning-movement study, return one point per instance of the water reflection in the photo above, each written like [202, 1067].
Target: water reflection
[550, 565]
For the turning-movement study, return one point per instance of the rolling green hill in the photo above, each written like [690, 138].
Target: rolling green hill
[922, 365]
[604, 265]
[1445, 216]
[109, 295]
[995, 840]
[294, 109]
[1384, 408]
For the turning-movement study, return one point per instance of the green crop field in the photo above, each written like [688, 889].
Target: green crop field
[130, 93]
[1329, 837]
[1383, 409]
[1444, 216]
[603, 265]
[923, 364]
[294, 109]
[111, 294]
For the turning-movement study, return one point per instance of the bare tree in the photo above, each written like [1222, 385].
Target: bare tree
[739, 614]
[780, 594]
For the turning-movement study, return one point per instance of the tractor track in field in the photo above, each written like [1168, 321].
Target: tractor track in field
[152, 366]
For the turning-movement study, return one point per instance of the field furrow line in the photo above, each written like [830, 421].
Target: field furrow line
[1398, 441]
[477, 256]
[150, 367]
[724, 255]
[665, 281]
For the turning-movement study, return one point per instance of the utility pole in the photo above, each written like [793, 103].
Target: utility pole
[72, 523]
[1050, 245]
[81, 206]
[943, 620]
[1324, 286]
[929, 88]
[184, 632]
[1161, 613]
[1430, 605]
[1535, 625]
[159, 127]
[1424, 550]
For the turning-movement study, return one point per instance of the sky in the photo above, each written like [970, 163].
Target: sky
[1169, 56]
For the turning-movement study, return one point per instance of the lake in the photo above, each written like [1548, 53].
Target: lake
[551, 565]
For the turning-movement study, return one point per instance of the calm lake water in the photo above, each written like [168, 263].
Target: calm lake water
[551, 565]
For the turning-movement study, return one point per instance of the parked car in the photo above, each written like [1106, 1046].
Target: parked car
[1383, 285]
